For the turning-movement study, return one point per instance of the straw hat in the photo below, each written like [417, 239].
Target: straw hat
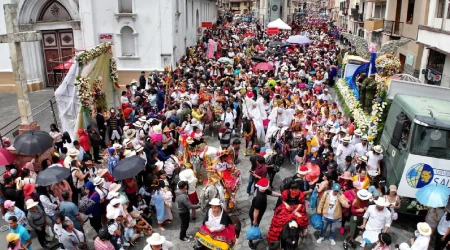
[156, 239]
[114, 187]
[346, 175]
[159, 165]
[73, 152]
[187, 175]
[142, 119]
[126, 141]
[12, 237]
[137, 124]
[364, 138]
[363, 158]
[194, 122]
[382, 202]
[30, 203]
[424, 228]
[98, 181]
[358, 132]
[363, 194]
[130, 133]
[377, 149]
[138, 148]
[101, 172]
[117, 146]
[215, 202]
[346, 139]
[112, 214]
[133, 81]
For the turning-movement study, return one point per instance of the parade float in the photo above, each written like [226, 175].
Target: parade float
[91, 83]
[384, 65]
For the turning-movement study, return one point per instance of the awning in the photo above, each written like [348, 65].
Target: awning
[279, 24]
[66, 65]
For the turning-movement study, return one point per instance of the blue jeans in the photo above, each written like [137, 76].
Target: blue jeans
[328, 222]
[251, 181]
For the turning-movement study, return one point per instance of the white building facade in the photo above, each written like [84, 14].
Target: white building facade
[147, 35]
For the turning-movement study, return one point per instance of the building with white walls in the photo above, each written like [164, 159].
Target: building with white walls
[147, 34]
[435, 37]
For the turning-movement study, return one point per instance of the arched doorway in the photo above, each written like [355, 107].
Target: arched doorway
[56, 20]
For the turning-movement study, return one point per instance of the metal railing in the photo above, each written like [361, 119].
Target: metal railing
[393, 28]
[44, 114]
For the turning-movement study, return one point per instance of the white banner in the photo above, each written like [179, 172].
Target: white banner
[420, 171]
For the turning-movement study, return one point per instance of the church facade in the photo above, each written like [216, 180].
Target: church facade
[147, 35]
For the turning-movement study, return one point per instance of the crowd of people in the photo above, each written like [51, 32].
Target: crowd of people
[285, 110]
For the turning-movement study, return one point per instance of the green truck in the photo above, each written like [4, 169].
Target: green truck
[416, 139]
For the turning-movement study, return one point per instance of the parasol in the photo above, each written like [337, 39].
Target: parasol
[264, 66]
[5, 157]
[51, 175]
[128, 167]
[33, 142]
[298, 39]
[433, 195]
[259, 59]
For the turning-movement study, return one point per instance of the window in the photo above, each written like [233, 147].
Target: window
[410, 12]
[127, 35]
[431, 142]
[125, 6]
[436, 61]
[380, 10]
[245, 4]
[440, 9]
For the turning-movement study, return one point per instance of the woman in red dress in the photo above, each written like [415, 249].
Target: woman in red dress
[292, 207]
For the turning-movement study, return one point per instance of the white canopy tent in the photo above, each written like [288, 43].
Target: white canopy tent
[279, 24]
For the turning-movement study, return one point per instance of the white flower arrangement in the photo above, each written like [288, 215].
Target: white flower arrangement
[84, 92]
[367, 123]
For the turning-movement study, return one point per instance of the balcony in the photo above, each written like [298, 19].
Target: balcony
[373, 24]
[393, 28]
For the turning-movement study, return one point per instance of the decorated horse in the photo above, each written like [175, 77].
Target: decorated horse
[289, 236]
[249, 133]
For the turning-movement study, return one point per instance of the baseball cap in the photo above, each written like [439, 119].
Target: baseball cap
[111, 150]
[336, 187]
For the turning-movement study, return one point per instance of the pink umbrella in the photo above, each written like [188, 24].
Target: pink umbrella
[5, 157]
[264, 66]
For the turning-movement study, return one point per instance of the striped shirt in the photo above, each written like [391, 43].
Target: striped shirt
[103, 245]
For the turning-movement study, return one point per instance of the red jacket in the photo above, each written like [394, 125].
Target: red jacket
[84, 142]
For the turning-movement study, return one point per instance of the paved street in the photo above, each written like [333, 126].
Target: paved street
[401, 231]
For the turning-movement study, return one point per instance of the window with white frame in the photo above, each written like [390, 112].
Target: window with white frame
[127, 40]
[440, 9]
[380, 10]
[125, 6]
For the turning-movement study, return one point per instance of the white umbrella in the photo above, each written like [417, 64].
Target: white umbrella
[279, 24]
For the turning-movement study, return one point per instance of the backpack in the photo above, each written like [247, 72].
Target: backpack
[69, 179]
[86, 203]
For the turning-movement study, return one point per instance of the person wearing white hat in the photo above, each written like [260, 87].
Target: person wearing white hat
[158, 242]
[325, 96]
[98, 183]
[374, 158]
[343, 150]
[377, 217]
[356, 137]
[188, 176]
[362, 147]
[37, 220]
[115, 227]
[359, 207]
[423, 234]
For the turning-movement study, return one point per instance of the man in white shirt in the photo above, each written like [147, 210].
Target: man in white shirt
[325, 96]
[443, 231]
[343, 150]
[229, 116]
[194, 97]
[423, 238]
[377, 217]
[374, 158]
[362, 148]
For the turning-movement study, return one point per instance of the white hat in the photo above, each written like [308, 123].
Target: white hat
[112, 194]
[364, 138]
[156, 239]
[134, 81]
[377, 149]
[73, 152]
[187, 175]
[112, 214]
[138, 124]
[30, 203]
[346, 139]
[138, 148]
[325, 89]
[358, 132]
[159, 165]
[382, 202]
[126, 141]
[363, 194]
[117, 146]
[194, 122]
[98, 181]
[215, 202]
[114, 187]
[142, 119]
[157, 129]
[424, 228]
[130, 133]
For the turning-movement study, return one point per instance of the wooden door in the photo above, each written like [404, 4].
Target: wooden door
[58, 47]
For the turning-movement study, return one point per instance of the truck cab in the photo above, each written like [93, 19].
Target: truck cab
[416, 141]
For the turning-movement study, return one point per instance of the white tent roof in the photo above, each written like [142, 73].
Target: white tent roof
[279, 24]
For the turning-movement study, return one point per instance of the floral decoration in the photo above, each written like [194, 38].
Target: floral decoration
[369, 123]
[387, 65]
[113, 72]
[84, 92]
[88, 55]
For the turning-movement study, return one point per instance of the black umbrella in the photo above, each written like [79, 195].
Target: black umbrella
[33, 142]
[128, 167]
[258, 59]
[51, 175]
[275, 43]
